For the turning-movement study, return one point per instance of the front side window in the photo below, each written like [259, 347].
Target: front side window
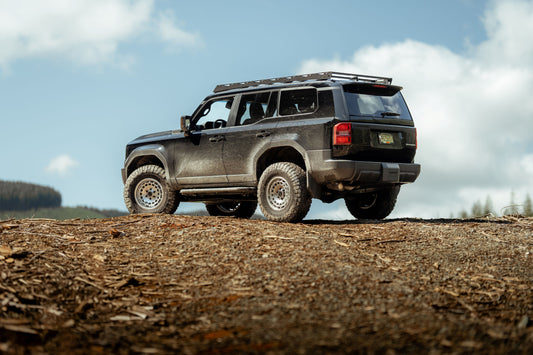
[293, 102]
[214, 114]
[376, 101]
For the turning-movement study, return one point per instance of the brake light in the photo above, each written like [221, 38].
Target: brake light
[380, 86]
[342, 134]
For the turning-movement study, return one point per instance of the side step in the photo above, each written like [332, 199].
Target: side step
[219, 191]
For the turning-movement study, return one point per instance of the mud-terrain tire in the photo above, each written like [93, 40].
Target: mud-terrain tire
[148, 191]
[373, 205]
[282, 193]
[239, 209]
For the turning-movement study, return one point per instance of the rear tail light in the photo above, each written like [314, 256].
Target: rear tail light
[342, 134]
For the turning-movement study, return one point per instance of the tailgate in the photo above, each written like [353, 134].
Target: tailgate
[377, 142]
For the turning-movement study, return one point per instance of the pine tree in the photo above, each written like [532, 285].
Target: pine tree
[528, 208]
[512, 209]
[488, 208]
[477, 209]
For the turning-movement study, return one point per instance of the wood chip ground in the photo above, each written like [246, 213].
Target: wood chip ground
[159, 284]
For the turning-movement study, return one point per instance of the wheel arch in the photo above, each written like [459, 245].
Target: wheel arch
[147, 155]
[277, 154]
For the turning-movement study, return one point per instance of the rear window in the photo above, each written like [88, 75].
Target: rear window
[376, 101]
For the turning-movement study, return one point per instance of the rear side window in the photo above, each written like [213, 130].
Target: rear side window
[376, 101]
[293, 102]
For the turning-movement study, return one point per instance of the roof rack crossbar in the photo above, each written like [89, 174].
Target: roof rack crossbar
[304, 77]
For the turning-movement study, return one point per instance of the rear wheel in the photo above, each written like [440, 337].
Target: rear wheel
[240, 209]
[282, 193]
[147, 191]
[373, 205]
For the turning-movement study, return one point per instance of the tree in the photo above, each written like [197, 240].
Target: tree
[528, 208]
[477, 209]
[488, 207]
[512, 209]
[21, 196]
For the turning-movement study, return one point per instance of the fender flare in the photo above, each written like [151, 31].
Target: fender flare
[156, 150]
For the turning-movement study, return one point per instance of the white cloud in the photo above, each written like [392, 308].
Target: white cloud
[172, 34]
[85, 31]
[473, 111]
[61, 165]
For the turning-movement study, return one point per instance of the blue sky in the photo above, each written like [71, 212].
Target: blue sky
[79, 79]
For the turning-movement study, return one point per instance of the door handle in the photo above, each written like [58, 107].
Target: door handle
[216, 138]
[263, 134]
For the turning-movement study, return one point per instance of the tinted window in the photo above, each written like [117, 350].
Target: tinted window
[252, 108]
[376, 102]
[293, 102]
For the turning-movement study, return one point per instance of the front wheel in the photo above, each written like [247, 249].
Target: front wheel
[282, 193]
[373, 205]
[148, 191]
[239, 209]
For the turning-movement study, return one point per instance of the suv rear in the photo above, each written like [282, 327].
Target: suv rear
[279, 143]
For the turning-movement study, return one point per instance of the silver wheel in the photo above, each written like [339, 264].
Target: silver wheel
[282, 192]
[278, 193]
[149, 193]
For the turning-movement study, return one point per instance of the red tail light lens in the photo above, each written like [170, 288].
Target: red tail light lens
[342, 134]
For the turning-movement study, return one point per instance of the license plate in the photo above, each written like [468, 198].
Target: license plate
[386, 138]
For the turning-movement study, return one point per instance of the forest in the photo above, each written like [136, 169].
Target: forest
[23, 196]
[514, 208]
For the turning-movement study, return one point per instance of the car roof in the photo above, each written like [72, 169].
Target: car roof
[314, 79]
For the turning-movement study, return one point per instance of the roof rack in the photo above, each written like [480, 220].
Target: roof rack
[304, 77]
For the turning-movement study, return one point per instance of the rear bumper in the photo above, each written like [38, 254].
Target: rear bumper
[329, 170]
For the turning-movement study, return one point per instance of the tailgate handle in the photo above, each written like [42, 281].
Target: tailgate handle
[262, 134]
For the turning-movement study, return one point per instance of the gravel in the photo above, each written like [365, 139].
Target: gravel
[158, 284]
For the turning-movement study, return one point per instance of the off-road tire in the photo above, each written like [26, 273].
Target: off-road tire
[148, 191]
[282, 193]
[372, 205]
[239, 209]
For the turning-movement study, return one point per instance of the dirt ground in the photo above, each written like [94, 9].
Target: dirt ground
[155, 284]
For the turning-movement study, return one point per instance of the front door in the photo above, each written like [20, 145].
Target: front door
[198, 157]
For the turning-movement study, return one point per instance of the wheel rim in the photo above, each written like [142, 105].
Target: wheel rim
[229, 207]
[149, 193]
[368, 202]
[278, 193]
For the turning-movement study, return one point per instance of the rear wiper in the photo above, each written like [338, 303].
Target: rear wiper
[386, 113]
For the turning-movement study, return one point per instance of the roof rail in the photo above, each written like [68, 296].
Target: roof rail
[304, 77]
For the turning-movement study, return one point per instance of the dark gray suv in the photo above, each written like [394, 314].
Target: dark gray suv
[280, 142]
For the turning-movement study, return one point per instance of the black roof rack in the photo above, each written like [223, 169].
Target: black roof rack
[330, 75]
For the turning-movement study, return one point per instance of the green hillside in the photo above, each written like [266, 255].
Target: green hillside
[62, 213]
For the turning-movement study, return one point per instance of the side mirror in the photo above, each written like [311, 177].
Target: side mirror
[186, 125]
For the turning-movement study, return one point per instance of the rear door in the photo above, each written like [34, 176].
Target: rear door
[250, 134]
